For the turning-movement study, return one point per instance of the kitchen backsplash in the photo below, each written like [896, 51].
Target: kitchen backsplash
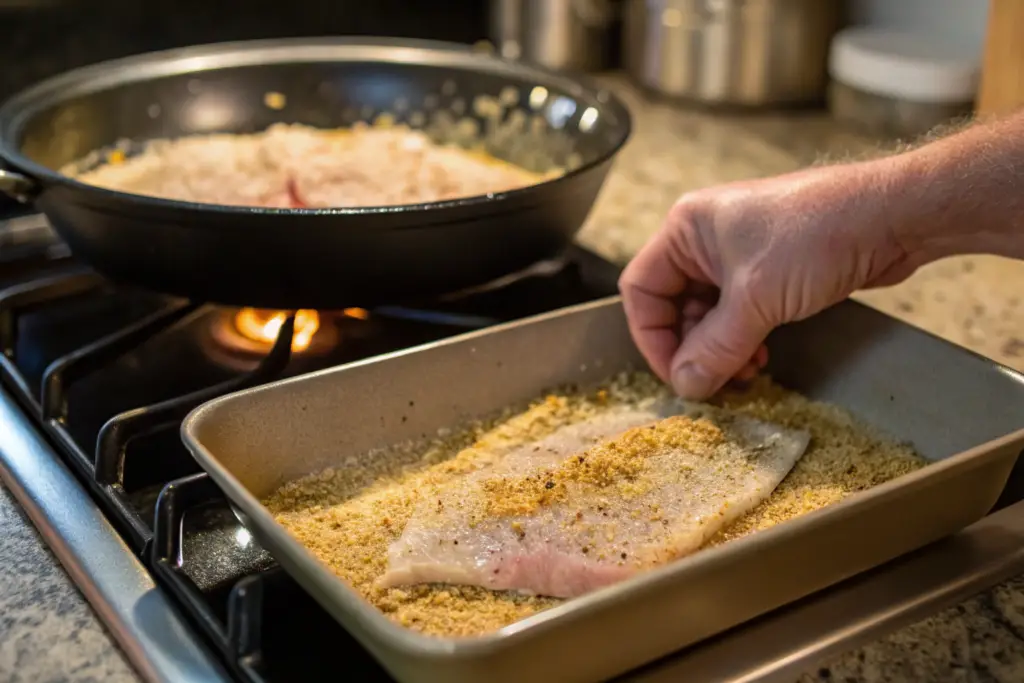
[39, 38]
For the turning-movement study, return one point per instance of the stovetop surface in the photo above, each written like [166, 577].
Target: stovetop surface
[108, 372]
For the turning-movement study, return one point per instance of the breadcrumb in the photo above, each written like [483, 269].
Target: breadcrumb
[348, 516]
[620, 461]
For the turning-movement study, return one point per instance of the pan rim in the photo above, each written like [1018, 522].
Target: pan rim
[16, 111]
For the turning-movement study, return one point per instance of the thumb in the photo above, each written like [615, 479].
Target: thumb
[716, 349]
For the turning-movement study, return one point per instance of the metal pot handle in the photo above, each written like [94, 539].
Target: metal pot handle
[17, 186]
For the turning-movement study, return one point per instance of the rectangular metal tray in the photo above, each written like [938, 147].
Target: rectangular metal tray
[960, 411]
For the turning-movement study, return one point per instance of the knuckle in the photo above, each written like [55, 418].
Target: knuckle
[757, 297]
[629, 277]
[689, 234]
[693, 208]
[624, 279]
[726, 350]
[712, 354]
[746, 283]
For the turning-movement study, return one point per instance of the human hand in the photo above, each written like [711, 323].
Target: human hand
[731, 263]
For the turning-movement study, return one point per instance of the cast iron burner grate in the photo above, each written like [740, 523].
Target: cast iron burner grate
[108, 373]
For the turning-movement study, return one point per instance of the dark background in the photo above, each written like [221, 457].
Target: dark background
[39, 38]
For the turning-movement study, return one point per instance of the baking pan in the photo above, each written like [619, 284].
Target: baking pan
[962, 412]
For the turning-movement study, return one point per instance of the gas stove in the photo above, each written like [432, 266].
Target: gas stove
[97, 378]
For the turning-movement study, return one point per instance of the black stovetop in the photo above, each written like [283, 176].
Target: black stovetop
[109, 372]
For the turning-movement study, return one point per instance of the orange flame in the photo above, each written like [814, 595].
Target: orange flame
[264, 326]
[357, 313]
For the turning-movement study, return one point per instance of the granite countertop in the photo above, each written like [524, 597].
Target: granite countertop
[47, 630]
[974, 301]
[48, 633]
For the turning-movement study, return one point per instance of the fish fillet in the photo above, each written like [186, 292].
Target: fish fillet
[595, 502]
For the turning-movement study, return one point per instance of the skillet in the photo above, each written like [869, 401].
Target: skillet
[323, 258]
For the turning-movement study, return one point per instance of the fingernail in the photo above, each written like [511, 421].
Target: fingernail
[692, 381]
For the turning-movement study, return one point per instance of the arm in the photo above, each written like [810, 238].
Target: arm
[964, 193]
[731, 263]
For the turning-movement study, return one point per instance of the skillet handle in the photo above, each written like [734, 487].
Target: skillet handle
[22, 235]
[19, 187]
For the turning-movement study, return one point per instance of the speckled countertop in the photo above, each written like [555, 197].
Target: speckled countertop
[47, 630]
[974, 301]
[48, 633]
[978, 641]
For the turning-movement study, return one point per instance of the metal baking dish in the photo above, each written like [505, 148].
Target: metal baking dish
[961, 411]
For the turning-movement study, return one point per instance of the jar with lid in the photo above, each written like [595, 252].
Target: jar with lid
[900, 85]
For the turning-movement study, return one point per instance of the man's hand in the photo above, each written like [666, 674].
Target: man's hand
[732, 263]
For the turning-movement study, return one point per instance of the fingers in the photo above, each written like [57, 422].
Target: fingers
[747, 373]
[726, 343]
[694, 311]
[666, 308]
[650, 287]
[688, 337]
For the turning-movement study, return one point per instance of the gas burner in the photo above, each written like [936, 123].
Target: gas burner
[250, 332]
[255, 329]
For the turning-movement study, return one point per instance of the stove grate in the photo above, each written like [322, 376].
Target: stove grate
[22, 298]
[246, 620]
[103, 468]
[115, 435]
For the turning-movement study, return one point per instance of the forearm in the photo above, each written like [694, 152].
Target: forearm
[961, 194]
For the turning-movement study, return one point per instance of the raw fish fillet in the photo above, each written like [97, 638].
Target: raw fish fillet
[595, 502]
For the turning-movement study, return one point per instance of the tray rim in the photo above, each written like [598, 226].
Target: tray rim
[414, 643]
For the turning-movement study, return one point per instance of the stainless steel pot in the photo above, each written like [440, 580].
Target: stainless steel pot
[582, 35]
[742, 52]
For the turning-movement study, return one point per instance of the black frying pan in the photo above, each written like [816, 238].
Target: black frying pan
[308, 258]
